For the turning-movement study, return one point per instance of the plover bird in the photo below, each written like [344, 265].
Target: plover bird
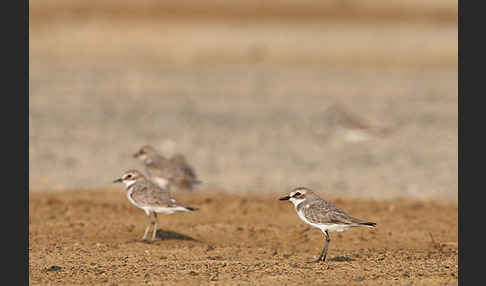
[174, 173]
[147, 196]
[351, 126]
[320, 213]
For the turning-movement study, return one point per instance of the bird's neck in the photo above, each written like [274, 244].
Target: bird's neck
[128, 184]
[297, 203]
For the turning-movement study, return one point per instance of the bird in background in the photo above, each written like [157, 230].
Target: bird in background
[174, 173]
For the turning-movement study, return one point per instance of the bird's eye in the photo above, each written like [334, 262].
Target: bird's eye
[128, 176]
[297, 194]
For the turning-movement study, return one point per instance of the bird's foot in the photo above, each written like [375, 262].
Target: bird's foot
[320, 259]
[143, 240]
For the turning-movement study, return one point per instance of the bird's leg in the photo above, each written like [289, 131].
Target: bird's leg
[144, 238]
[322, 257]
[154, 222]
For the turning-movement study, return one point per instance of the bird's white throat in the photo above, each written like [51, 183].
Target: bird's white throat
[128, 183]
[296, 202]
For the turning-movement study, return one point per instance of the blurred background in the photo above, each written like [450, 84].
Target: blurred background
[351, 98]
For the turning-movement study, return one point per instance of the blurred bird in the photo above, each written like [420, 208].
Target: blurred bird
[350, 126]
[174, 173]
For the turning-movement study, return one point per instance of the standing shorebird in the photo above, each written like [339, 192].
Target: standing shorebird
[147, 196]
[320, 213]
[174, 172]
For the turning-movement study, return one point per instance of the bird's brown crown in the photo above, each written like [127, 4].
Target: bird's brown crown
[146, 150]
[132, 175]
[300, 193]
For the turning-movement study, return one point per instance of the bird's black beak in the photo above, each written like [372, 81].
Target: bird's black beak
[119, 180]
[135, 155]
[286, 198]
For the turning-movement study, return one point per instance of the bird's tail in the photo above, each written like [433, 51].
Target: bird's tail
[182, 208]
[190, 208]
[368, 223]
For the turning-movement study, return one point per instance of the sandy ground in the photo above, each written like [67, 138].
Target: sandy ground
[89, 237]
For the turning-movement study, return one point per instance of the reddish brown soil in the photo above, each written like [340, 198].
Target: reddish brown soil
[89, 237]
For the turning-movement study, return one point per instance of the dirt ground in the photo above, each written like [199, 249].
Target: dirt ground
[89, 237]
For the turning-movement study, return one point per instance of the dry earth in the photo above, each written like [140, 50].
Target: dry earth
[88, 237]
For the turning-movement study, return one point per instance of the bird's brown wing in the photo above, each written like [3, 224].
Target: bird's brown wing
[322, 212]
[160, 168]
[184, 170]
[150, 194]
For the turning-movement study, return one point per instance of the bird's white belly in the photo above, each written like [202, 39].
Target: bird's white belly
[165, 210]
